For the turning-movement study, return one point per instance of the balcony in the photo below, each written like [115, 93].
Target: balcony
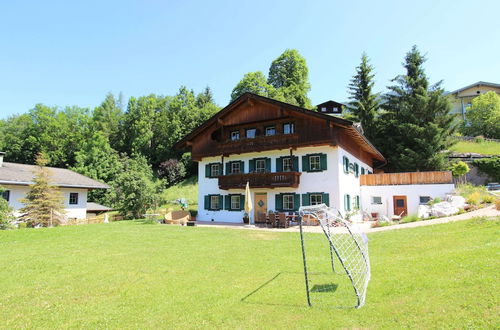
[259, 143]
[260, 180]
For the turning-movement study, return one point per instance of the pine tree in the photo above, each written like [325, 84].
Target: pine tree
[416, 127]
[364, 103]
[43, 203]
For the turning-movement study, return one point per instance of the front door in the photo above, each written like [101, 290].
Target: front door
[259, 204]
[400, 207]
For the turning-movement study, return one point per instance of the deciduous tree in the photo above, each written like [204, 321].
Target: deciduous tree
[484, 116]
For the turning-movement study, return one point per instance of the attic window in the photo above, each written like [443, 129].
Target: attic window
[335, 109]
[323, 109]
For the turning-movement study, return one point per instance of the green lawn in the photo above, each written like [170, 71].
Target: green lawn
[485, 148]
[133, 275]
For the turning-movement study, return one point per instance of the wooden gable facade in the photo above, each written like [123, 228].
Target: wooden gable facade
[254, 123]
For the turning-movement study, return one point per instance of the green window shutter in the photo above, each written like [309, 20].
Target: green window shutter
[268, 164]
[227, 202]
[207, 202]
[221, 200]
[207, 171]
[279, 164]
[356, 169]
[251, 166]
[346, 164]
[357, 202]
[305, 199]
[326, 199]
[242, 202]
[369, 172]
[295, 163]
[278, 202]
[228, 168]
[347, 202]
[362, 170]
[296, 202]
[305, 163]
[323, 162]
[242, 166]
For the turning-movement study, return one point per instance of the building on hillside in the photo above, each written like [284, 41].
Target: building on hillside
[331, 107]
[290, 156]
[462, 98]
[15, 179]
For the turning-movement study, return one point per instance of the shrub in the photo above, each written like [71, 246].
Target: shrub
[489, 166]
[410, 218]
[474, 198]
[172, 171]
[488, 199]
[435, 201]
[479, 139]
[497, 204]
[193, 213]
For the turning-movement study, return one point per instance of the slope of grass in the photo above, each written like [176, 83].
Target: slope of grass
[132, 275]
[187, 189]
[484, 148]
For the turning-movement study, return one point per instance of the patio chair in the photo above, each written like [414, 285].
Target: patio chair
[282, 222]
[272, 219]
[177, 217]
[261, 218]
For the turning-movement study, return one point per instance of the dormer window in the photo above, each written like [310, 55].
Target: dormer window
[288, 128]
[235, 135]
[250, 133]
[270, 130]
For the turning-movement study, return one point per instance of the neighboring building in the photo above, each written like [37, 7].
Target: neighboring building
[291, 156]
[462, 98]
[16, 178]
[331, 107]
[94, 209]
[398, 194]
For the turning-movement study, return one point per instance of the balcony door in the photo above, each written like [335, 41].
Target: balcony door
[259, 203]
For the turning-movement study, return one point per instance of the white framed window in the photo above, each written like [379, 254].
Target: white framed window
[288, 128]
[235, 202]
[315, 199]
[260, 165]
[251, 133]
[235, 167]
[214, 202]
[423, 200]
[288, 201]
[235, 135]
[323, 109]
[270, 130]
[73, 198]
[376, 200]
[215, 170]
[314, 163]
[288, 164]
[335, 109]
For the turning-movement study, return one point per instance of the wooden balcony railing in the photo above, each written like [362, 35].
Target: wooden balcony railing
[406, 178]
[260, 180]
[259, 143]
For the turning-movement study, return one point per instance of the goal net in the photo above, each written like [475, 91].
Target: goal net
[335, 255]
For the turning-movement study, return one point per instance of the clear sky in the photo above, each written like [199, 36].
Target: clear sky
[74, 52]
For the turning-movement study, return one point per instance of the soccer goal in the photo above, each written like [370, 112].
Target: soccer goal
[335, 256]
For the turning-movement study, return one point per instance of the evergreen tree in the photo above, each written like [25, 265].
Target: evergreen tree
[416, 127]
[43, 203]
[107, 118]
[290, 76]
[364, 103]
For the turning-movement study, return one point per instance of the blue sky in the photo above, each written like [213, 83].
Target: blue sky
[73, 53]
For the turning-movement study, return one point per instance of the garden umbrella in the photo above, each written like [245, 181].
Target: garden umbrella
[248, 201]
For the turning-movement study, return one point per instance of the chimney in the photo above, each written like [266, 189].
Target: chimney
[1, 157]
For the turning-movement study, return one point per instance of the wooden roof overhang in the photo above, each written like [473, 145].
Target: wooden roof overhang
[217, 120]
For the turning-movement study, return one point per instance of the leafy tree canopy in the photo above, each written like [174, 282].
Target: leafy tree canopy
[484, 116]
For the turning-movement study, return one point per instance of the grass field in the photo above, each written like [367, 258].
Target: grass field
[484, 148]
[133, 275]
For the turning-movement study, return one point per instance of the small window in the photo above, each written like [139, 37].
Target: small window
[6, 195]
[73, 198]
[271, 130]
[287, 164]
[215, 170]
[346, 164]
[260, 165]
[323, 109]
[251, 133]
[400, 202]
[335, 109]
[347, 202]
[288, 201]
[214, 202]
[314, 163]
[288, 128]
[356, 169]
[376, 200]
[315, 199]
[357, 202]
[425, 199]
[235, 167]
[362, 170]
[235, 135]
[235, 202]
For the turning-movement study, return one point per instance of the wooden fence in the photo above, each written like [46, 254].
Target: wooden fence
[406, 178]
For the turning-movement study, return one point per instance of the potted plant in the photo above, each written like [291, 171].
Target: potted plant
[193, 213]
[246, 218]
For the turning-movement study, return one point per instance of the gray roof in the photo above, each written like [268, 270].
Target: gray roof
[22, 174]
[479, 83]
[91, 206]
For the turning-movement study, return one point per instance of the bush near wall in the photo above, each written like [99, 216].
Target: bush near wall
[489, 166]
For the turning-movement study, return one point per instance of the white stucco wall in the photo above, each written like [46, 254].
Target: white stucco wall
[412, 193]
[72, 211]
[332, 181]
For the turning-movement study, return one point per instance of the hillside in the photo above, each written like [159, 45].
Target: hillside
[484, 147]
